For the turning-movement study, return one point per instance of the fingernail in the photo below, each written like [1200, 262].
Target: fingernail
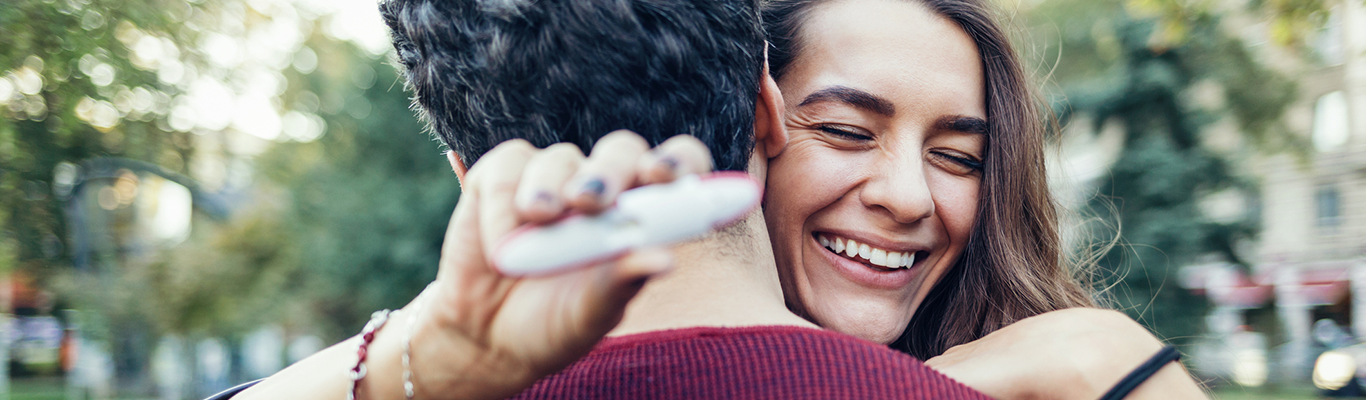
[538, 199]
[543, 199]
[670, 163]
[594, 187]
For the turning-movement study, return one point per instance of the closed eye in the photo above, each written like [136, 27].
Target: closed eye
[844, 132]
[970, 163]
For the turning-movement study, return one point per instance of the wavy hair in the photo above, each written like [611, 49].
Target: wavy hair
[1013, 266]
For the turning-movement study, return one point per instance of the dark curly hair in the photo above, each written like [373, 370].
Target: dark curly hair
[486, 71]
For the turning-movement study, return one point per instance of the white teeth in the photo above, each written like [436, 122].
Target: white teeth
[875, 256]
[879, 258]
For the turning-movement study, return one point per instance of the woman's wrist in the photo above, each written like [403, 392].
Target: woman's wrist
[445, 363]
[383, 377]
[449, 363]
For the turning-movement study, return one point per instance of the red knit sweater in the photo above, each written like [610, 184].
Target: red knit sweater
[746, 363]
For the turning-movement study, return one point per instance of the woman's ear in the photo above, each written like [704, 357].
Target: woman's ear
[770, 135]
[457, 165]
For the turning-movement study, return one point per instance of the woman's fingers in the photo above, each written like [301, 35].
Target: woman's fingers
[679, 156]
[540, 195]
[484, 214]
[608, 171]
[492, 184]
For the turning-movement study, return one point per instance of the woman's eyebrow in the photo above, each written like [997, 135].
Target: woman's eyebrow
[963, 123]
[853, 97]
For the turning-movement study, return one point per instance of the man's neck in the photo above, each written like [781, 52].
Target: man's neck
[719, 280]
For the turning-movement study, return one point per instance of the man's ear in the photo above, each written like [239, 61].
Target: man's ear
[457, 165]
[770, 135]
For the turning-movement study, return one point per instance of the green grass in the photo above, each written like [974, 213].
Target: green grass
[1278, 393]
[37, 389]
[44, 388]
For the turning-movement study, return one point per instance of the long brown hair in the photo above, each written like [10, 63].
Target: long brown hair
[1013, 266]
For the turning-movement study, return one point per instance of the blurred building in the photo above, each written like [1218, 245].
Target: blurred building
[1309, 263]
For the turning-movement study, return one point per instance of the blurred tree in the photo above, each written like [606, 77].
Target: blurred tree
[370, 201]
[1289, 23]
[72, 88]
[1174, 79]
[81, 79]
[349, 219]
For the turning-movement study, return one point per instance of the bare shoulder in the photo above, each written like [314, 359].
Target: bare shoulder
[1072, 353]
[1092, 345]
[1082, 329]
[1110, 320]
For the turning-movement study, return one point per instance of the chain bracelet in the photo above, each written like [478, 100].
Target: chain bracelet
[408, 387]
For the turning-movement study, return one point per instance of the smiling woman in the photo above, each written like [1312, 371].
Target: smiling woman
[910, 206]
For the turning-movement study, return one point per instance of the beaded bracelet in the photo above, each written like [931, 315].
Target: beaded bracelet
[408, 389]
[367, 336]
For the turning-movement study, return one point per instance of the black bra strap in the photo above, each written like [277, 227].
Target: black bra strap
[233, 391]
[1142, 373]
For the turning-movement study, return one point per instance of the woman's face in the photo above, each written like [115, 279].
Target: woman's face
[886, 114]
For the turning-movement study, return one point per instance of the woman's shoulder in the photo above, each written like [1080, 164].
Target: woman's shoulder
[1085, 328]
[1070, 353]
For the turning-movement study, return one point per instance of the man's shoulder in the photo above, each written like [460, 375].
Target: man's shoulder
[748, 362]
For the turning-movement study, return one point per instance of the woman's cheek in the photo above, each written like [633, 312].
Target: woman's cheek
[955, 199]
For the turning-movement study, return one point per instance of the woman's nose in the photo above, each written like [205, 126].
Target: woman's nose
[901, 189]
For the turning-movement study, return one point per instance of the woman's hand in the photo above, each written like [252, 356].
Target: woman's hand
[507, 332]
[480, 334]
[1077, 353]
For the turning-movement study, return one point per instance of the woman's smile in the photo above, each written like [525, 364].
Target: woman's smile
[875, 195]
[868, 265]
[865, 253]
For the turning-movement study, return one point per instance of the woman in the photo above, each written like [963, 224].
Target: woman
[907, 140]
[910, 206]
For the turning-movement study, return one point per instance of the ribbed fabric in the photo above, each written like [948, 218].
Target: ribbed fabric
[768, 362]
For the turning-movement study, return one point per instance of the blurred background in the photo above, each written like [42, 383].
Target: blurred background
[197, 193]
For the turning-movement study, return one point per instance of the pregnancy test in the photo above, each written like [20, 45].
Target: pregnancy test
[653, 215]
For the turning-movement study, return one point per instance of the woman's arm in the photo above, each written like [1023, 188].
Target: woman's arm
[1077, 353]
[479, 334]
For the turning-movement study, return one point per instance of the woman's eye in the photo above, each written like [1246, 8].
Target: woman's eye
[963, 163]
[844, 132]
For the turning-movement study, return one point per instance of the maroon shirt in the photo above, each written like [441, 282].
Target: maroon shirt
[771, 362]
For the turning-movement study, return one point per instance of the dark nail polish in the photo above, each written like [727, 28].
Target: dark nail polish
[543, 199]
[594, 187]
[670, 162]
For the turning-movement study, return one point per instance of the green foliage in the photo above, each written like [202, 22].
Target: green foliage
[75, 92]
[369, 201]
[339, 226]
[1294, 21]
[72, 89]
[1141, 65]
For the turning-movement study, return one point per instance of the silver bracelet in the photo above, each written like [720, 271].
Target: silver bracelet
[408, 387]
[367, 336]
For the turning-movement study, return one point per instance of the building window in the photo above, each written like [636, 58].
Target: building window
[1329, 205]
[1330, 122]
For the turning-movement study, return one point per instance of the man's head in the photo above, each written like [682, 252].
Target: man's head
[487, 71]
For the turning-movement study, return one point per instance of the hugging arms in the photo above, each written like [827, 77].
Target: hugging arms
[888, 128]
